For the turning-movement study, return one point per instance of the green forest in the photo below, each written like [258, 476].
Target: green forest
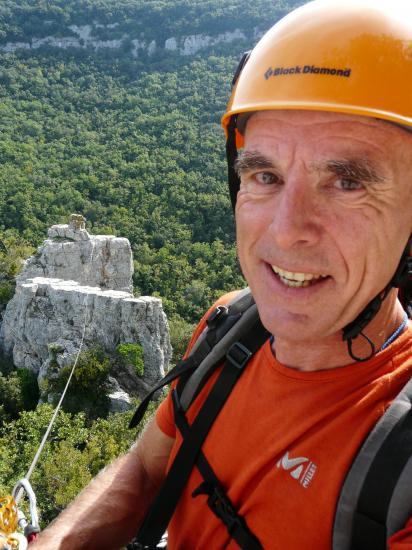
[135, 145]
[24, 19]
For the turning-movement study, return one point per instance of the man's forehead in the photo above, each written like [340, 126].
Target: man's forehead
[338, 132]
[302, 118]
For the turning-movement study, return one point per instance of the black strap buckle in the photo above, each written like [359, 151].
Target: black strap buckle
[219, 313]
[238, 355]
[220, 505]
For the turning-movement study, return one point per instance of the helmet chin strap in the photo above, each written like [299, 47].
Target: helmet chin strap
[231, 156]
[401, 279]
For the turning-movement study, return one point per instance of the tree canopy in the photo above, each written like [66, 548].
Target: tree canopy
[151, 19]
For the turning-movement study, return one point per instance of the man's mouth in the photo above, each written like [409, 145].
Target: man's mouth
[297, 279]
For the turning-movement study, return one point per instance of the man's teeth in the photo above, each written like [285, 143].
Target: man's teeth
[293, 279]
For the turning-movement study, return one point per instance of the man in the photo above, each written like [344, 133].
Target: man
[321, 116]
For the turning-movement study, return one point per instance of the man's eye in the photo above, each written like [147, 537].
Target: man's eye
[348, 185]
[266, 178]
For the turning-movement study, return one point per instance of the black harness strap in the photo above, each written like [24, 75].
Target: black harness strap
[370, 518]
[186, 366]
[219, 323]
[218, 501]
[166, 500]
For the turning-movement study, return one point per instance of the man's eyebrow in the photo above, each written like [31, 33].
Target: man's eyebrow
[359, 169]
[355, 169]
[252, 160]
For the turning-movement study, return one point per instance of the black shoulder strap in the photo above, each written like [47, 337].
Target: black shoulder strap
[184, 367]
[224, 326]
[199, 377]
[376, 499]
[190, 453]
[218, 501]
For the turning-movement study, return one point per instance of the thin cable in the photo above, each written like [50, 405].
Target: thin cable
[57, 409]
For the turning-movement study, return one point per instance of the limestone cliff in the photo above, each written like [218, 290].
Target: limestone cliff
[82, 37]
[79, 284]
[71, 254]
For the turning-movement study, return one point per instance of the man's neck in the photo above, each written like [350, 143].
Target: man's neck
[332, 352]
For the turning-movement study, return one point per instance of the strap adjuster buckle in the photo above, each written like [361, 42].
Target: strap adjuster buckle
[223, 509]
[238, 355]
[220, 505]
[216, 316]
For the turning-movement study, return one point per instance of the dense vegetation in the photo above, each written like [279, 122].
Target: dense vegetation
[74, 454]
[135, 145]
[153, 19]
[13, 251]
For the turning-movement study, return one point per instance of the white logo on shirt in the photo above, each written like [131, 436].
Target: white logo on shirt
[301, 468]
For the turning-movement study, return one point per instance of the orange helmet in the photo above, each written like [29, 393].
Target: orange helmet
[348, 56]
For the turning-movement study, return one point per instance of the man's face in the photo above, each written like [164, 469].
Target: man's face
[323, 215]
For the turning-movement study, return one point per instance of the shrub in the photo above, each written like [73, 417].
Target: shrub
[29, 388]
[180, 334]
[13, 250]
[10, 397]
[132, 354]
[6, 293]
[88, 388]
[18, 391]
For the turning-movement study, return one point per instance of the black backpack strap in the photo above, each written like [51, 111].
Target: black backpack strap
[222, 322]
[376, 499]
[166, 500]
[218, 501]
[199, 377]
[184, 367]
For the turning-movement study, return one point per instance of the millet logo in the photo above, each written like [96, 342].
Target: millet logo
[301, 468]
[306, 69]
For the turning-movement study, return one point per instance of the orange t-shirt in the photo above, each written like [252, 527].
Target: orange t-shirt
[282, 445]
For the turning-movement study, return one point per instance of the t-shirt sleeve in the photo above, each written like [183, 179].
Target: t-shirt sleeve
[164, 417]
[164, 414]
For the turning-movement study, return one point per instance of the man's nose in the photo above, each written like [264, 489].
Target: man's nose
[295, 216]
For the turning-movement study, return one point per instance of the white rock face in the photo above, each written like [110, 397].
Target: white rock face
[83, 31]
[188, 45]
[119, 400]
[13, 46]
[171, 44]
[152, 47]
[52, 312]
[49, 312]
[194, 43]
[72, 254]
[109, 44]
[63, 43]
